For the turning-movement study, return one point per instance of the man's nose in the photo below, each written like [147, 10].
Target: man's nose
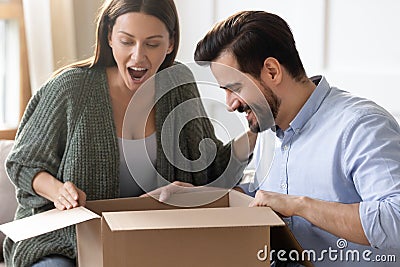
[232, 101]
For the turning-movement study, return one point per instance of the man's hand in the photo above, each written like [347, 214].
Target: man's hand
[69, 196]
[285, 205]
[164, 193]
[342, 220]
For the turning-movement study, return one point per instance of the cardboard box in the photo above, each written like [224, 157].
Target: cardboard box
[221, 231]
[145, 232]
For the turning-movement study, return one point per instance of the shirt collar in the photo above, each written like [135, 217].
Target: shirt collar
[312, 104]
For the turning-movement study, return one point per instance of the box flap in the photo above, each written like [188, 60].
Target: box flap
[197, 197]
[188, 218]
[238, 199]
[209, 199]
[45, 222]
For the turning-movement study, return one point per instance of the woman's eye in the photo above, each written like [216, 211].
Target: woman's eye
[125, 42]
[153, 45]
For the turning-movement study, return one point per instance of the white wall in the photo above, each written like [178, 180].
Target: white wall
[38, 38]
[58, 32]
[85, 12]
[363, 49]
[196, 18]
[355, 44]
[63, 32]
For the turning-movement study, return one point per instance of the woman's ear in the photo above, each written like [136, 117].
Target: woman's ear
[171, 46]
[272, 70]
[109, 37]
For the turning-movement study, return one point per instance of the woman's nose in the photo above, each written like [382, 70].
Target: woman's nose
[138, 53]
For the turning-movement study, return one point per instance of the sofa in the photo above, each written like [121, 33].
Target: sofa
[7, 193]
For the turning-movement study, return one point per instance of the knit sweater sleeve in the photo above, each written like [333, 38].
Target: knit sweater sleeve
[225, 169]
[40, 140]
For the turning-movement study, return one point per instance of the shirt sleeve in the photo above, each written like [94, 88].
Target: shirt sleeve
[372, 160]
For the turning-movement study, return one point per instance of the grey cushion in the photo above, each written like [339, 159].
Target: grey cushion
[7, 191]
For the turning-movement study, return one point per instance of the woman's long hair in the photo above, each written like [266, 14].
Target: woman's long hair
[164, 10]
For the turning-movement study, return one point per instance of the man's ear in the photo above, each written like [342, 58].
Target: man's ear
[272, 70]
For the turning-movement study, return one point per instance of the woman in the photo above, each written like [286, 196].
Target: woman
[68, 147]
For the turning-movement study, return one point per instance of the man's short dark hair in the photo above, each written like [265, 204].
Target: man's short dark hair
[252, 36]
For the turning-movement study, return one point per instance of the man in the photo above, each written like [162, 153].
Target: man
[335, 176]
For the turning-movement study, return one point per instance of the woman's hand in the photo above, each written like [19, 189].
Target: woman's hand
[69, 196]
[163, 193]
[63, 195]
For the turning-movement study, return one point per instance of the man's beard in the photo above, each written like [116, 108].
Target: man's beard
[261, 112]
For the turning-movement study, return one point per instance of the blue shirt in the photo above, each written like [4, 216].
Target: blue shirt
[346, 149]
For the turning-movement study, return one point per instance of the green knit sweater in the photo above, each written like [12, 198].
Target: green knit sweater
[68, 131]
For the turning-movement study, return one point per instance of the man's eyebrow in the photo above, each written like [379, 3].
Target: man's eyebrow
[230, 86]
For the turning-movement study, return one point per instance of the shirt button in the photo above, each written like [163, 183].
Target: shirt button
[286, 147]
[284, 186]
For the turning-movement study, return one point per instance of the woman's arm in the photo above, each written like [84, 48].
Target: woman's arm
[40, 143]
[243, 145]
[63, 195]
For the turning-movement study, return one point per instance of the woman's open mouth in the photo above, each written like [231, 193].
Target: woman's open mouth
[137, 73]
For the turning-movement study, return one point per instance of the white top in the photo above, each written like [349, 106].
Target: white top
[137, 173]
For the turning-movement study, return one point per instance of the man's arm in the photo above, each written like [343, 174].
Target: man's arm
[371, 162]
[342, 220]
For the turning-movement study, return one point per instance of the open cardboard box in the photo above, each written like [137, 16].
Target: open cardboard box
[145, 232]
[220, 231]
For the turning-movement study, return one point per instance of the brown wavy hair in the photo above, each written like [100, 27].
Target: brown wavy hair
[252, 36]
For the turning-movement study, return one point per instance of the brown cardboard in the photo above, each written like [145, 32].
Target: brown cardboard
[145, 232]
